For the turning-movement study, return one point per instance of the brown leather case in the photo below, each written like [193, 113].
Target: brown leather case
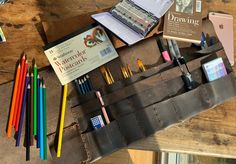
[144, 104]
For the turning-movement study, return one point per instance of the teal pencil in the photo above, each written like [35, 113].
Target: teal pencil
[41, 123]
[45, 122]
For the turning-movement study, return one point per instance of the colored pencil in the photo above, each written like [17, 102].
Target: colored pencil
[89, 82]
[45, 122]
[140, 65]
[21, 95]
[27, 124]
[41, 135]
[22, 110]
[32, 108]
[86, 84]
[38, 112]
[9, 127]
[129, 70]
[81, 87]
[63, 109]
[18, 90]
[77, 87]
[110, 75]
[35, 99]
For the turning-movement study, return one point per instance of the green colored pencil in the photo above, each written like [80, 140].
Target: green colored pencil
[35, 99]
[45, 122]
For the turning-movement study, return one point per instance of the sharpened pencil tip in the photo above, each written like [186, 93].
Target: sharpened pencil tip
[44, 86]
[28, 86]
[38, 76]
[35, 65]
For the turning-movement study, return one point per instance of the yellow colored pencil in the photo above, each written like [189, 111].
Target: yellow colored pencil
[110, 75]
[129, 71]
[63, 109]
[140, 65]
[124, 73]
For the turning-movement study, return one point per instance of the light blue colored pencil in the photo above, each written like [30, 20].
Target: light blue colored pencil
[41, 123]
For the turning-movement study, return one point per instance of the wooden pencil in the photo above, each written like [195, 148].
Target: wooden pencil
[22, 110]
[140, 65]
[77, 87]
[27, 124]
[110, 75]
[45, 122]
[35, 99]
[89, 82]
[63, 109]
[18, 91]
[21, 94]
[32, 108]
[9, 127]
[129, 70]
[41, 135]
[38, 112]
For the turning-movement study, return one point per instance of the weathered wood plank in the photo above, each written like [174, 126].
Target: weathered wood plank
[210, 133]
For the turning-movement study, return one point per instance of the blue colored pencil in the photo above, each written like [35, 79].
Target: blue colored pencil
[81, 87]
[38, 111]
[22, 111]
[41, 123]
[89, 82]
[77, 87]
[86, 85]
[45, 122]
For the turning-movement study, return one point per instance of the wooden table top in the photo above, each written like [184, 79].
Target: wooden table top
[211, 133]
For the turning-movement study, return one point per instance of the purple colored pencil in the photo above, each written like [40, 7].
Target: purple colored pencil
[22, 111]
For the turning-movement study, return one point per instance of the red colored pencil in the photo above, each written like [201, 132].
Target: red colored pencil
[21, 95]
[18, 91]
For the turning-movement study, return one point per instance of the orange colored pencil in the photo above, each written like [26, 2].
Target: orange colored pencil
[18, 90]
[9, 127]
[21, 95]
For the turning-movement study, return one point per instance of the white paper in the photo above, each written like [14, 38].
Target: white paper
[118, 28]
[81, 54]
[156, 7]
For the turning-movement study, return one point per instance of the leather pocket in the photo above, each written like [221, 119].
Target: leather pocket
[104, 141]
[130, 128]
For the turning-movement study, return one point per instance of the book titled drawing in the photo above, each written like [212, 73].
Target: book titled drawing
[80, 53]
[183, 21]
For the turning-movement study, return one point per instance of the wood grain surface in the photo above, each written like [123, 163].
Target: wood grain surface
[211, 133]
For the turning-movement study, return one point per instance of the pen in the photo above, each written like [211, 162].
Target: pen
[203, 41]
[99, 96]
[163, 50]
